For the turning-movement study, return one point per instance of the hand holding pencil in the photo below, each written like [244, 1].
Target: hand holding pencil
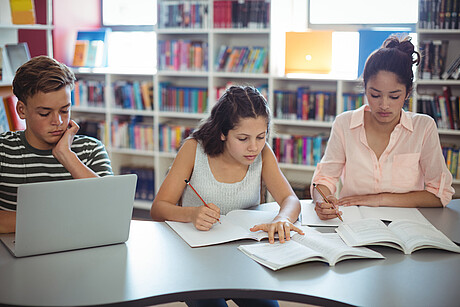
[204, 220]
[329, 211]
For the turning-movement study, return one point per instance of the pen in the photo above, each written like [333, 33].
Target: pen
[326, 200]
[188, 182]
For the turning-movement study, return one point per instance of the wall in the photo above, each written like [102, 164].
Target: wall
[69, 17]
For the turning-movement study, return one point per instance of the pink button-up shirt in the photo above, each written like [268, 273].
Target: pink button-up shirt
[412, 161]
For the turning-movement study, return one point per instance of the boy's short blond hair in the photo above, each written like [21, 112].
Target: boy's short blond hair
[41, 74]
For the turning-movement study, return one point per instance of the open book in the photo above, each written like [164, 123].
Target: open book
[405, 235]
[355, 213]
[234, 226]
[325, 247]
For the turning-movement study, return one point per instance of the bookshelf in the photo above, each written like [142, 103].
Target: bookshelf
[9, 34]
[204, 75]
[443, 34]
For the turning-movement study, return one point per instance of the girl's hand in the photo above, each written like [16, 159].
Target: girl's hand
[204, 217]
[280, 225]
[327, 211]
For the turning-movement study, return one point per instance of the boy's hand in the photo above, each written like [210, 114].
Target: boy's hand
[62, 147]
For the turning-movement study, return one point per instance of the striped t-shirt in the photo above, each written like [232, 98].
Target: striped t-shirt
[21, 163]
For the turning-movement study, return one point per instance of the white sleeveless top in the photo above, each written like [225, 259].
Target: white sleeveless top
[227, 196]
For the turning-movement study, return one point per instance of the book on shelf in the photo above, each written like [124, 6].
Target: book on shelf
[132, 134]
[313, 246]
[182, 99]
[247, 59]
[357, 213]
[80, 53]
[305, 104]
[443, 108]
[451, 156]
[182, 14]
[182, 55]
[95, 54]
[22, 11]
[405, 235]
[15, 122]
[145, 187]
[434, 56]
[241, 14]
[17, 55]
[438, 14]
[299, 149]
[90, 48]
[453, 70]
[232, 227]
[170, 137]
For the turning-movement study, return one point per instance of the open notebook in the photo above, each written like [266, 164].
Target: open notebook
[71, 214]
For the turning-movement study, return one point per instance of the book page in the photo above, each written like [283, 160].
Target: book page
[234, 226]
[219, 233]
[333, 248]
[417, 235]
[392, 213]
[368, 232]
[310, 218]
[278, 255]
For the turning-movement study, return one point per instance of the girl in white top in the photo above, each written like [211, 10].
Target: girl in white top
[226, 159]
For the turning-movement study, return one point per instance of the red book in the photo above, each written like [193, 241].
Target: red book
[15, 122]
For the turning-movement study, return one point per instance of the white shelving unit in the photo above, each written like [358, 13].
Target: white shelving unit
[272, 38]
[433, 86]
[9, 35]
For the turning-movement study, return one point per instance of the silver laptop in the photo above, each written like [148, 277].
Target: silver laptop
[72, 214]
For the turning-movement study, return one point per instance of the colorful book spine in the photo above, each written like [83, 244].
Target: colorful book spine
[242, 59]
[183, 99]
[304, 104]
[445, 109]
[171, 137]
[134, 95]
[183, 14]
[299, 149]
[241, 14]
[132, 134]
[182, 55]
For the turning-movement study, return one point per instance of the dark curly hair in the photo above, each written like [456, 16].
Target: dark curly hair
[236, 103]
[397, 55]
[41, 74]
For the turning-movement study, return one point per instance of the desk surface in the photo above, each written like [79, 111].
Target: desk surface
[156, 266]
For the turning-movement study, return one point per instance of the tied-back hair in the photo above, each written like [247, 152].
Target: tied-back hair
[397, 55]
[41, 74]
[236, 103]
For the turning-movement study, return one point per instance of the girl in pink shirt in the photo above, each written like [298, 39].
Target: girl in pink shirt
[384, 155]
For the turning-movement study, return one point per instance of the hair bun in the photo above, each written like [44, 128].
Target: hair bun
[403, 44]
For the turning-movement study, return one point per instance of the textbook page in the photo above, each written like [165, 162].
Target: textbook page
[234, 226]
[418, 235]
[327, 248]
[392, 214]
[405, 235]
[354, 213]
[310, 218]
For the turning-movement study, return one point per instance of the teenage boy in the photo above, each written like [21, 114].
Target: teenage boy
[48, 149]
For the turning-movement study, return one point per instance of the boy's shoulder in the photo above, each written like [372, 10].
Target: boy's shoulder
[10, 136]
[84, 139]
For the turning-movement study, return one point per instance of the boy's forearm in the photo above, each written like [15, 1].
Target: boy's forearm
[75, 167]
[7, 221]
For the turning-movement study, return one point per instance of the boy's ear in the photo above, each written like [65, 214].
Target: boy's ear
[222, 137]
[21, 109]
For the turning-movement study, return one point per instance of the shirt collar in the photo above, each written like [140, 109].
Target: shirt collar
[357, 118]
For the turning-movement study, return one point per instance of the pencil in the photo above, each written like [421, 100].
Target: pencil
[188, 182]
[325, 199]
